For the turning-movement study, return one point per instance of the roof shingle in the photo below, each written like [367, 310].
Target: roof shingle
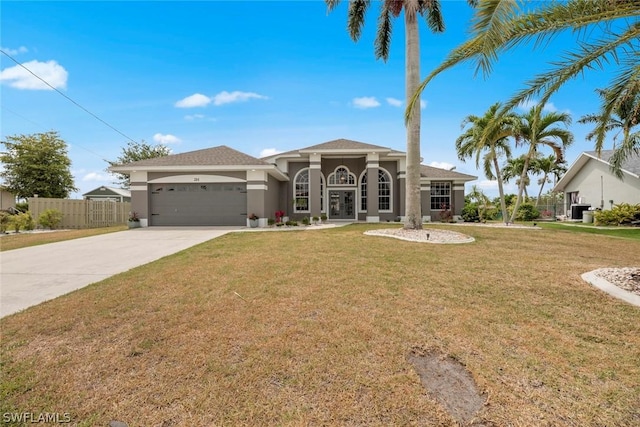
[215, 156]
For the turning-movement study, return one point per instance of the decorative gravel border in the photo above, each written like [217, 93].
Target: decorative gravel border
[427, 235]
[595, 278]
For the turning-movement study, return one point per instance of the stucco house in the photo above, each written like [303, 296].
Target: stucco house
[590, 184]
[222, 186]
[104, 193]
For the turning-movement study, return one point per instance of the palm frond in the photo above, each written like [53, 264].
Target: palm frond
[628, 148]
[356, 17]
[383, 36]
[433, 15]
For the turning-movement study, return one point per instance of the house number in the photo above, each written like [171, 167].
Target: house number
[196, 179]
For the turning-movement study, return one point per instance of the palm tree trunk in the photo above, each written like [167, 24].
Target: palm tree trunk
[503, 204]
[523, 183]
[413, 212]
[544, 181]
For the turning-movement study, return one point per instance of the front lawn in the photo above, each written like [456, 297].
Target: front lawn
[315, 328]
[24, 239]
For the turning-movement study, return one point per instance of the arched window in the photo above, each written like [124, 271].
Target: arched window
[384, 191]
[301, 192]
[342, 176]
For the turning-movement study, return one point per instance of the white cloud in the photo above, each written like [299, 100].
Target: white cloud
[423, 104]
[50, 71]
[394, 102]
[10, 51]
[486, 184]
[195, 100]
[365, 102]
[166, 139]
[96, 176]
[442, 165]
[225, 97]
[269, 152]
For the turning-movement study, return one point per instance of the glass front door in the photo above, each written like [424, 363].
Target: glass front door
[342, 204]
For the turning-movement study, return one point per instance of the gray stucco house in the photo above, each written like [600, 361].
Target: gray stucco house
[104, 193]
[589, 183]
[222, 186]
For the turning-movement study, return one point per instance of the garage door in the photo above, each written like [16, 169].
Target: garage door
[198, 204]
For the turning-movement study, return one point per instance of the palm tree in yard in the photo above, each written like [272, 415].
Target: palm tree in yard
[430, 10]
[607, 33]
[513, 169]
[487, 137]
[539, 129]
[624, 116]
[547, 166]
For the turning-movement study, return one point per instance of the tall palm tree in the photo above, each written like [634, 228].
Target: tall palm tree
[547, 166]
[624, 116]
[539, 129]
[430, 10]
[513, 169]
[488, 137]
[608, 32]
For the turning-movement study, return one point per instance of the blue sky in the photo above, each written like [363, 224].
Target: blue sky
[258, 76]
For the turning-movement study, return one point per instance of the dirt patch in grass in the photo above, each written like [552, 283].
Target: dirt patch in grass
[448, 381]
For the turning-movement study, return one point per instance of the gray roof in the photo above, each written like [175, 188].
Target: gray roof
[437, 173]
[631, 164]
[119, 191]
[215, 156]
[344, 144]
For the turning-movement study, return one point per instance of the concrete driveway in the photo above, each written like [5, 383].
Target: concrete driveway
[32, 275]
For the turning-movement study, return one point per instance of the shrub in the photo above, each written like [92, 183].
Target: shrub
[23, 221]
[621, 214]
[470, 213]
[271, 221]
[22, 206]
[50, 218]
[5, 220]
[305, 220]
[527, 212]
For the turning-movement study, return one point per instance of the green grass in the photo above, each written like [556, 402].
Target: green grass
[624, 232]
[314, 328]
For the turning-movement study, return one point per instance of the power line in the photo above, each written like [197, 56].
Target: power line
[68, 98]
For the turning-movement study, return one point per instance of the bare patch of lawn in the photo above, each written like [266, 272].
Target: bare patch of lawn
[314, 328]
[22, 240]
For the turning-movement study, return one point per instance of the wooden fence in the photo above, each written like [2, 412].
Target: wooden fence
[82, 213]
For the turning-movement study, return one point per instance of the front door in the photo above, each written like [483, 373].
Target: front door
[342, 204]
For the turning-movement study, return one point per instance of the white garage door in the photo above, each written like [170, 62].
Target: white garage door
[198, 204]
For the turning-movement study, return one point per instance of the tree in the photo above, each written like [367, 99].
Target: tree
[135, 151]
[37, 164]
[430, 10]
[624, 116]
[513, 169]
[489, 135]
[539, 129]
[608, 30]
[547, 166]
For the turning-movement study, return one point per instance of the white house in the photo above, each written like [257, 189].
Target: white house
[590, 184]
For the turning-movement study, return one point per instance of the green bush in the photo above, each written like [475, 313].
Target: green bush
[22, 206]
[621, 214]
[23, 221]
[50, 218]
[527, 212]
[5, 221]
[271, 221]
[305, 220]
[470, 213]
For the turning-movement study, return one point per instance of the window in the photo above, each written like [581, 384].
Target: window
[342, 176]
[384, 191]
[301, 192]
[440, 195]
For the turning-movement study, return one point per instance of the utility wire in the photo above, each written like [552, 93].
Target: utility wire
[68, 98]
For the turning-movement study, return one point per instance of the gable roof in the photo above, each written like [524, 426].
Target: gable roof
[438, 173]
[631, 166]
[104, 190]
[215, 156]
[341, 145]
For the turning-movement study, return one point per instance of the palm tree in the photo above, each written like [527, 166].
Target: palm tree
[624, 116]
[609, 31]
[489, 135]
[538, 129]
[513, 169]
[430, 10]
[547, 166]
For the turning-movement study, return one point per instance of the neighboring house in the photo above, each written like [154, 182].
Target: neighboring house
[108, 194]
[590, 184]
[222, 186]
[7, 200]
